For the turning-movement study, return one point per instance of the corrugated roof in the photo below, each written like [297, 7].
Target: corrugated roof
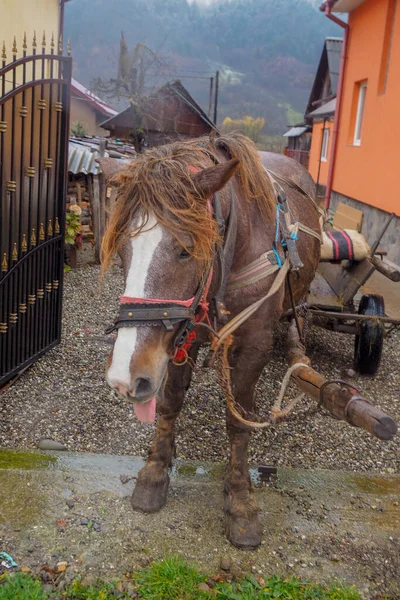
[81, 158]
[295, 131]
[326, 110]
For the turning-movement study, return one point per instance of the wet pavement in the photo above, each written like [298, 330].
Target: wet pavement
[75, 507]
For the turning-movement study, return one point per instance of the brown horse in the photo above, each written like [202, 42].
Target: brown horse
[167, 235]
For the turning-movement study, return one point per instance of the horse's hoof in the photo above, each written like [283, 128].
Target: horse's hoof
[150, 497]
[243, 532]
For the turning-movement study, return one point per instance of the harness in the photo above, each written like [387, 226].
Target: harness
[145, 312]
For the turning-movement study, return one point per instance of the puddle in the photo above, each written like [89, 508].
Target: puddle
[108, 466]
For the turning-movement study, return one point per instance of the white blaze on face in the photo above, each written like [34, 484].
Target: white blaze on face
[144, 246]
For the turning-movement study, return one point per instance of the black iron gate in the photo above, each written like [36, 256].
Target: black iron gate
[34, 124]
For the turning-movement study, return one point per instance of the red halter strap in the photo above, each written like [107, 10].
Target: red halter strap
[130, 300]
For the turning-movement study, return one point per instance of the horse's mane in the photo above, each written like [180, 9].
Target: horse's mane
[160, 182]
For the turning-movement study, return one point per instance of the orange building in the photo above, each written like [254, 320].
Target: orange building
[362, 158]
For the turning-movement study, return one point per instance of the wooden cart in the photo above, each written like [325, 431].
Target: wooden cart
[333, 297]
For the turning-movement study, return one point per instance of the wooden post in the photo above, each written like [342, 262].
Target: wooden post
[95, 203]
[78, 193]
[102, 196]
[341, 399]
[210, 97]
[216, 97]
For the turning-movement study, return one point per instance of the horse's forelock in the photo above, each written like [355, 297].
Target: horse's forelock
[160, 183]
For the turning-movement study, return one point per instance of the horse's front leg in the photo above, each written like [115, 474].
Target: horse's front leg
[242, 521]
[150, 493]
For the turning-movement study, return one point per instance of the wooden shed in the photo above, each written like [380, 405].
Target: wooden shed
[169, 114]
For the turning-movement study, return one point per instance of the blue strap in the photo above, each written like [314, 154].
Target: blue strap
[278, 258]
[275, 251]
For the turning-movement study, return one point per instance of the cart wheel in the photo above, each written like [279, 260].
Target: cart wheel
[369, 341]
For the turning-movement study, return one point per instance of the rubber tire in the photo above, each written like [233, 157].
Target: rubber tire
[369, 342]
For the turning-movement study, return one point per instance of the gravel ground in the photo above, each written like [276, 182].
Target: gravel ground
[64, 396]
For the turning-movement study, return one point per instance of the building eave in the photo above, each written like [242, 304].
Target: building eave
[95, 102]
[341, 6]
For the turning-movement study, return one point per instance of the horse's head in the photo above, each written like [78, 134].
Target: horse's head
[163, 229]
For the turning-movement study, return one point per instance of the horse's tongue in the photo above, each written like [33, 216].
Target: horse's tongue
[146, 413]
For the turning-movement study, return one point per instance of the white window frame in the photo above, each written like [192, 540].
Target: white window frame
[326, 133]
[360, 113]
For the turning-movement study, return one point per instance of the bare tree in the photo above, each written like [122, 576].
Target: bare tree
[138, 75]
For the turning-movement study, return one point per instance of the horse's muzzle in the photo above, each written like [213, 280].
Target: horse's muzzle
[141, 391]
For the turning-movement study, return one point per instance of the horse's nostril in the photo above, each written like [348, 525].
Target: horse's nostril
[143, 387]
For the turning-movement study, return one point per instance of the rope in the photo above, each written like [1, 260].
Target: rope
[277, 412]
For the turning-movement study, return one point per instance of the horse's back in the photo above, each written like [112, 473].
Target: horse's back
[290, 169]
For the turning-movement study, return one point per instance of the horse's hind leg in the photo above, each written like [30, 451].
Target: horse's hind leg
[150, 493]
[242, 521]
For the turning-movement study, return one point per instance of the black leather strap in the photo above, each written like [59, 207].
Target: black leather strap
[140, 315]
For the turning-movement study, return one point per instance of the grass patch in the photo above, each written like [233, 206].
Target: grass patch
[285, 589]
[170, 579]
[174, 579]
[22, 587]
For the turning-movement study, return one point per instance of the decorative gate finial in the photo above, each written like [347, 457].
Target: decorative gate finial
[34, 43]
[44, 40]
[14, 46]
[3, 52]
[24, 44]
[4, 263]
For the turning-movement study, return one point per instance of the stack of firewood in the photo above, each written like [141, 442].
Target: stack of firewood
[79, 192]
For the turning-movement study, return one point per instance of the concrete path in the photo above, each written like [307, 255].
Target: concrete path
[317, 524]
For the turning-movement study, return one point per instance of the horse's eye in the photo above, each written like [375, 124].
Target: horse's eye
[184, 254]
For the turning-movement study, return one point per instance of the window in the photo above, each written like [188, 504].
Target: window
[325, 144]
[362, 90]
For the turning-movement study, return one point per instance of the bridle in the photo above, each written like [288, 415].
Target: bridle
[152, 312]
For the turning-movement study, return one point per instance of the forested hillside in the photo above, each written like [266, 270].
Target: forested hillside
[266, 50]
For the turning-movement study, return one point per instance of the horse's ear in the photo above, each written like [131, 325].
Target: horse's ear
[210, 180]
[111, 167]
